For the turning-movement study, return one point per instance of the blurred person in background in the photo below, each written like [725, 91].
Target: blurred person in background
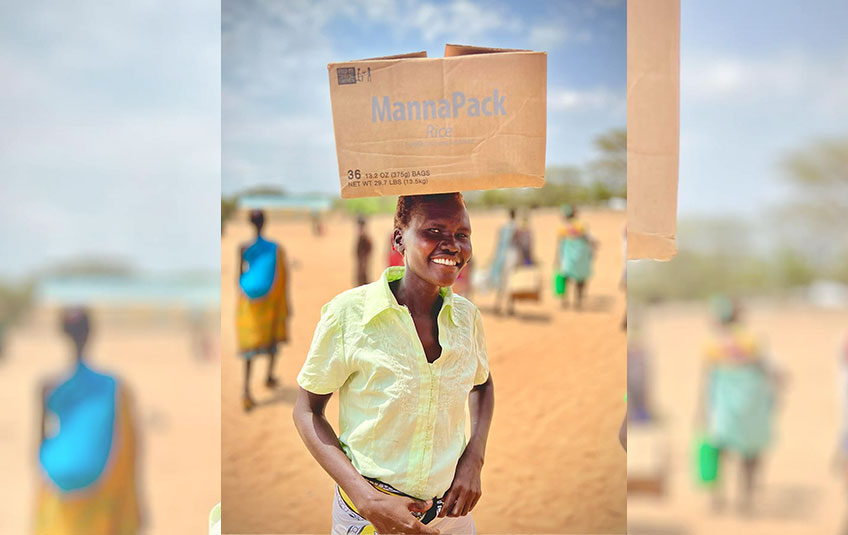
[317, 223]
[623, 282]
[737, 399]
[87, 453]
[201, 338]
[362, 252]
[522, 280]
[573, 260]
[524, 241]
[842, 447]
[622, 432]
[506, 258]
[638, 379]
[264, 306]
[464, 285]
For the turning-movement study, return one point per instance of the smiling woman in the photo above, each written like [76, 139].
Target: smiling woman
[433, 229]
[405, 354]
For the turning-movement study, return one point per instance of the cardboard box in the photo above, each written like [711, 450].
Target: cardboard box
[409, 124]
[653, 103]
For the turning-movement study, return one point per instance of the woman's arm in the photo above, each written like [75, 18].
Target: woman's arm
[465, 490]
[622, 433]
[481, 404]
[388, 514]
[558, 257]
[702, 406]
[43, 428]
[286, 266]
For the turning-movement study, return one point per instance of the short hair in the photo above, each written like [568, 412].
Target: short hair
[407, 204]
[257, 218]
[75, 323]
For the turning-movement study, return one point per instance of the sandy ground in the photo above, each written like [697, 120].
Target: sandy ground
[176, 401]
[553, 465]
[799, 491]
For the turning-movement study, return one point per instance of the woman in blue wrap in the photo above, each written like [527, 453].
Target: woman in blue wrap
[263, 304]
[87, 449]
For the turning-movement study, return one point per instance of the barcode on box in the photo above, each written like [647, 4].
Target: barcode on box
[347, 75]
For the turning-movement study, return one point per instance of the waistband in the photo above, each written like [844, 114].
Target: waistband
[425, 517]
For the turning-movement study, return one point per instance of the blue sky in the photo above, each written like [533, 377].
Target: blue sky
[277, 124]
[758, 79]
[111, 113]
[110, 134]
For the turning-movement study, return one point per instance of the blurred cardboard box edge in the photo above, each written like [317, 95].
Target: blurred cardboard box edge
[407, 124]
[653, 127]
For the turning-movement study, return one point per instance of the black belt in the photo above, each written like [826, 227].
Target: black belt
[425, 517]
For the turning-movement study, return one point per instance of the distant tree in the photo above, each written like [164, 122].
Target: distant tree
[368, 205]
[15, 301]
[564, 174]
[819, 173]
[86, 266]
[497, 197]
[563, 185]
[609, 168]
[264, 189]
[840, 268]
[793, 269]
[814, 221]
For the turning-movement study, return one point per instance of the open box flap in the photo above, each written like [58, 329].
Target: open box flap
[467, 50]
[653, 124]
[421, 54]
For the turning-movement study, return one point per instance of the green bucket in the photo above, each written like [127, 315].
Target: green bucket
[559, 284]
[707, 457]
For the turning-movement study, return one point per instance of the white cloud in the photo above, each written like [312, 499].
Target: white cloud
[817, 80]
[291, 129]
[272, 48]
[549, 35]
[740, 115]
[463, 21]
[546, 37]
[111, 133]
[380, 10]
[563, 99]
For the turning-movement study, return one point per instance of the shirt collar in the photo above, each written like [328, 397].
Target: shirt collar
[379, 297]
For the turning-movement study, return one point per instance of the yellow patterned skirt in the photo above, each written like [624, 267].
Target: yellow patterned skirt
[262, 322]
[109, 506]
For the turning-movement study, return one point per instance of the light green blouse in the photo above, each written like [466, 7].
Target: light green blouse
[215, 520]
[401, 419]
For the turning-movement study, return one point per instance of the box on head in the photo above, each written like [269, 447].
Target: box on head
[653, 128]
[408, 124]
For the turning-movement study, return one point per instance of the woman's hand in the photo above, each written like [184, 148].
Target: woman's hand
[387, 513]
[392, 514]
[465, 490]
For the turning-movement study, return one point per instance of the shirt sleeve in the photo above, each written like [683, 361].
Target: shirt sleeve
[326, 368]
[482, 373]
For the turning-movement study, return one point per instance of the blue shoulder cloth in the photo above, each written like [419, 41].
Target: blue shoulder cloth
[85, 405]
[261, 258]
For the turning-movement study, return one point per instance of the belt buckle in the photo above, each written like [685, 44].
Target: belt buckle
[427, 516]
